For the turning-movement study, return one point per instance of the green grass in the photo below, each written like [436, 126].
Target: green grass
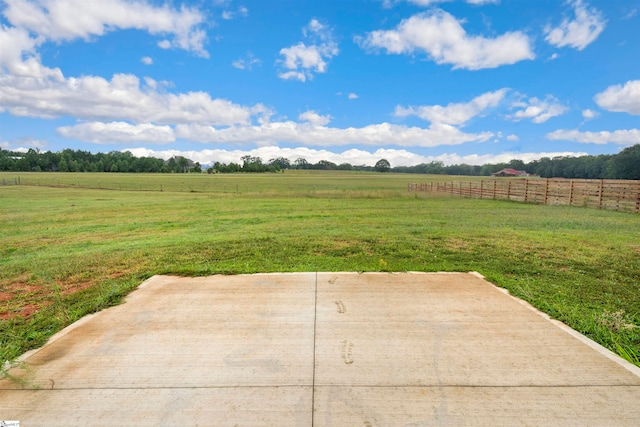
[75, 247]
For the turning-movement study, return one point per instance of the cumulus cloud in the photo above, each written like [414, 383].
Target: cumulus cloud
[512, 137]
[454, 113]
[122, 97]
[146, 60]
[621, 137]
[538, 110]
[352, 95]
[19, 55]
[118, 133]
[314, 118]
[442, 37]
[589, 114]
[579, 32]
[621, 98]
[65, 20]
[316, 135]
[302, 61]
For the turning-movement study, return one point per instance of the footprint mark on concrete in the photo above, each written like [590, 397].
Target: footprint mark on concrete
[341, 308]
[347, 352]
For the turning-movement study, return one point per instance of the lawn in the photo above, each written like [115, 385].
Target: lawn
[72, 244]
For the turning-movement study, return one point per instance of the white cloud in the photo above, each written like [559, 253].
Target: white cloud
[19, 54]
[442, 37]
[121, 98]
[426, 3]
[589, 114]
[316, 135]
[580, 32]
[146, 60]
[354, 156]
[302, 61]
[314, 118]
[621, 99]
[352, 95]
[229, 14]
[23, 145]
[538, 110]
[118, 133]
[246, 63]
[512, 137]
[293, 75]
[480, 2]
[454, 113]
[64, 20]
[625, 137]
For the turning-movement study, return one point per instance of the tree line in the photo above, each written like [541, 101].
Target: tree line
[624, 165]
[83, 161]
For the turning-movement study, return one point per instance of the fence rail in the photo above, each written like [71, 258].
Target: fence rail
[620, 195]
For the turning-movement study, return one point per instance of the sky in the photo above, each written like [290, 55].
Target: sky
[348, 81]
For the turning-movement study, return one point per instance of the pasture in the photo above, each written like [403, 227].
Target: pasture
[71, 244]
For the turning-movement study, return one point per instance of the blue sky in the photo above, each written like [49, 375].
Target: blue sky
[412, 81]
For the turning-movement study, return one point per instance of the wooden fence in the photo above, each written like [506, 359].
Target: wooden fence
[592, 193]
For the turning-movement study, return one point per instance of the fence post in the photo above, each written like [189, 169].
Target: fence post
[637, 210]
[546, 191]
[526, 189]
[571, 193]
[509, 190]
[601, 190]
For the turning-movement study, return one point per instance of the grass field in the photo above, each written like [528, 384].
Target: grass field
[71, 244]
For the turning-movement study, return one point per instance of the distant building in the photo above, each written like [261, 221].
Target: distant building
[510, 172]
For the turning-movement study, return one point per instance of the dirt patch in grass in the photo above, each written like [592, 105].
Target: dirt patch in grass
[20, 299]
[24, 311]
[71, 288]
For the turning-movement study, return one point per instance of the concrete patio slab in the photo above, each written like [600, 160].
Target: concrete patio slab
[321, 349]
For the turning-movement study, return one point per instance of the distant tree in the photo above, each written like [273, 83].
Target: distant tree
[382, 165]
[325, 165]
[301, 163]
[172, 165]
[183, 164]
[280, 163]
[63, 166]
[626, 164]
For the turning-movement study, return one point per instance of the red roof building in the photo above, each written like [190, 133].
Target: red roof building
[510, 172]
